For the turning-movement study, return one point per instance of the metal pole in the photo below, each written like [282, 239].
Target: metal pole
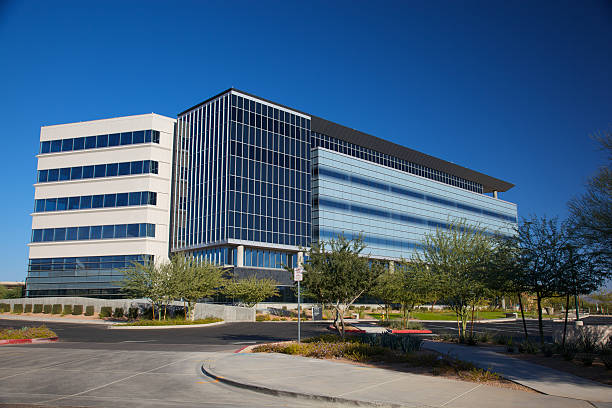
[299, 313]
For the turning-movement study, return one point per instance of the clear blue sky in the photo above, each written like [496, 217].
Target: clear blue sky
[509, 88]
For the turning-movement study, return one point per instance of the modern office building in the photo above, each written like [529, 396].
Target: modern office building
[253, 184]
[101, 201]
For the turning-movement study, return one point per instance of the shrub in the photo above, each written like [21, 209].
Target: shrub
[38, 308]
[606, 356]
[501, 339]
[67, 309]
[106, 311]
[56, 309]
[77, 310]
[587, 342]
[5, 307]
[548, 350]
[89, 310]
[569, 351]
[47, 309]
[133, 312]
[118, 313]
[262, 318]
[484, 337]
[26, 333]
[510, 346]
[17, 308]
[527, 347]
[28, 308]
[399, 324]
[587, 359]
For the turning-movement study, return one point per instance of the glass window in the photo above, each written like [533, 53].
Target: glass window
[152, 198]
[45, 147]
[95, 232]
[37, 235]
[71, 234]
[50, 204]
[136, 167]
[112, 169]
[42, 176]
[133, 230]
[147, 136]
[134, 198]
[48, 234]
[102, 141]
[85, 202]
[143, 230]
[76, 173]
[67, 145]
[79, 143]
[56, 146]
[146, 166]
[122, 199]
[90, 142]
[60, 234]
[124, 169]
[97, 201]
[120, 231]
[108, 231]
[64, 174]
[39, 205]
[109, 200]
[83, 233]
[113, 139]
[151, 230]
[100, 170]
[155, 136]
[62, 204]
[74, 203]
[53, 175]
[126, 138]
[138, 137]
[154, 167]
[88, 172]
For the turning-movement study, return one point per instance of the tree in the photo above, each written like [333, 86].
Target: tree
[337, 273]
[414, 286]
[386, 288]
[456, 261]
[193, 280]
[251, 290]
[147, 280]
[591, 212]
[13, 293]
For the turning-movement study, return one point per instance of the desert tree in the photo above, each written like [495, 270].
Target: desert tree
[251, 290]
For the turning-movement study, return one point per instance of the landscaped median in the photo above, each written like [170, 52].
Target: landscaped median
[167, 323]
[389, 351]
[40, 334]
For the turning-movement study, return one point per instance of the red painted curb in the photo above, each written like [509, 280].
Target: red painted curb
[28, 341]
[410, 331]
[240, 349]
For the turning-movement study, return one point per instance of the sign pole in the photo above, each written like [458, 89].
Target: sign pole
[299, 313]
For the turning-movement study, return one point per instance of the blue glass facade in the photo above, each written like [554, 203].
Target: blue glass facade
[99, 141]
[391, 208]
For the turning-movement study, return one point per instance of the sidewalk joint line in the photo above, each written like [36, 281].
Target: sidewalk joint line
[370, 386]
[461, 395]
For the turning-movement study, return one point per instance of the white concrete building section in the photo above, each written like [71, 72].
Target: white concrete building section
[108, 198]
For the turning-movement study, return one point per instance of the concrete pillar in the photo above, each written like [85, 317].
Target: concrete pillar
[300, 258]
[240, 256]
[391, 266]
[495, 194]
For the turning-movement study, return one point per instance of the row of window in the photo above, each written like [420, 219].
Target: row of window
[273, 198]
[250, 135]
[341, 146]
[218, 256]
[93, 232]
[96, 201]
[300, 163]
[269, 111]
[86, 262]
[369, 240]
[111, 293]
[271, 224]
[99, 141]
[258, 171]
[98, 171]
[262, 258]
[408, 193]
[268, 237]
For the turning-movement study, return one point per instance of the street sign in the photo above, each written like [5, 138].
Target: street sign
[298, 274]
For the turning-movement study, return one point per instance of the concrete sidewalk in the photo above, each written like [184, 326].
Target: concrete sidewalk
[540, 378]
[330, 381]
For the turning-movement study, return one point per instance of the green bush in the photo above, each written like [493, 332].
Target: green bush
[133, 312]
[47, 309]
[5, 307]
[118, 313]
[77, 310]
[89, 311]
[67, 309]
[569, 351]
[56, 309]
[106, 311]
[17, 308]
[38, 308]
[606, 356]
[28, 308]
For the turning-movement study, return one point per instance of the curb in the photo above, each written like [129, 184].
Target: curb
[177, 326]
[409, 331]
[295, 394]
[28, 341]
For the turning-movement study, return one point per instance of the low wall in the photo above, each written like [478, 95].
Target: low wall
[202, 310]
[600, 332]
